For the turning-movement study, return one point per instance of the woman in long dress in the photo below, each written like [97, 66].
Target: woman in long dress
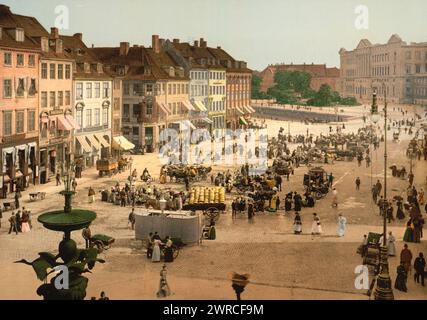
[164, 289]
[25, 226]
[342, 221]
[316, 228]
[400, 214]
[156, 251]
[168, 250]
[390, 244]
[409, 232]
[297, 224]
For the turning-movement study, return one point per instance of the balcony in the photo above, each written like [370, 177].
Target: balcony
[93, 129]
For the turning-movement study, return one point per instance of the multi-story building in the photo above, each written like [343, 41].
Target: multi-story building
[19, 88]
[320, 74]
[238, 92]
[57, 124]
[397, 67]
[92, 103]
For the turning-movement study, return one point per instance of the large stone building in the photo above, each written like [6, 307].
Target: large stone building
[320, 74]
[19, 104]
[396, 66]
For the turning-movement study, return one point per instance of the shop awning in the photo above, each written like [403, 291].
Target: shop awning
[102, 140]
[200, 106]
[248, 110]
[72, 121]
[240, 110]
[94, 142]
[168, 110]
[162, 108]
[207, 120]
[252, 109]
[63, 124]
[85, 146]
[188, 105]
[121, 143]
[243, 121]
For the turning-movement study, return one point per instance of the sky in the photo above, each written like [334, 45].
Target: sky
[260, 32]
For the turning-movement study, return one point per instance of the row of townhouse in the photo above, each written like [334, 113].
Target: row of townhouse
[56, 104]
[177, 85]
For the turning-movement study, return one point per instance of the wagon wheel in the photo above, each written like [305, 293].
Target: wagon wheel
[212, 213]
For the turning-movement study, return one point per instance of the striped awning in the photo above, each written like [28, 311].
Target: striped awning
[63, 124]
[85, 146]
[200, 106]
[72, 121]
[163, 108]
[207, 120]
[188, 105]
[94, 142]
[102, 140]
[240, 110]
[248, 109]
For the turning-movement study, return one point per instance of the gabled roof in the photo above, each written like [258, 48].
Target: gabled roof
[364, 43]
[395, 39]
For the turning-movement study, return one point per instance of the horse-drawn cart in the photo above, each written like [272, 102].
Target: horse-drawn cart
[106, 166]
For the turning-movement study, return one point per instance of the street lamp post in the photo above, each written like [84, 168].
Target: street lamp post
[383, 291]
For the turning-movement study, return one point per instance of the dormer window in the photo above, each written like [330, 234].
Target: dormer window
[99, 67]
[121, 71]
[86, 67]
[19, 35]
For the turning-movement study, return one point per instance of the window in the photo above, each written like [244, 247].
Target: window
[7, 123]
[408, 55]
[21, 88]
[79, 118]
[88, 117]
[67, 71]
[149, 89]
[97, 117]
[174, 88]
[52, 71]
[106, 91]
[60, 71]
[136, 110]
[32, 90]
[43, 99]
[149, 110]
[60, 98]
[20, 60]
[418, 55]
[67, 98]
[31, 126]
[52, 98]
[31, 60]
[135, 131]
[125, 111]
[97, 90]
[44, 70]
[126, 88]
[169, 89]
[20, 35]
[137, 89]
[417, 68]
[89, 90]
[79, 90]
[408, 69]
[105, 116]
[20, 122]
[7, 59]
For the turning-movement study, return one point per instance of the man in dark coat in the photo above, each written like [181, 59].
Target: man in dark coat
[419, 266]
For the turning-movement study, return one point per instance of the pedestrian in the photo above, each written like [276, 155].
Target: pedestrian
[419, 266]
[91, 195]
[156, 250]
[400, 283]
[131, 218]
[1, 216]
[12, 221]
[17, 205]
[334, 198]
[316, 227]
[164, 289]
[103, 296]
[58, 179]
[390, 244]
[74, 184]
[330, 180]
[374, 193]
[168, 250]
[87, 235]
[406, 258]
[378, 187]
[250, 211]
[342, 221]
[389, 211]
[18, 220]
[297, 223]
[150, 245]
[408, 236]
[278, 179]
[362, 249]
[357, 183]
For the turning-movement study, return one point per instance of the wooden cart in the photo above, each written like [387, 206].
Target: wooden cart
[106, 166]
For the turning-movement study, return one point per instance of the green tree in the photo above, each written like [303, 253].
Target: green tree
[256, 85]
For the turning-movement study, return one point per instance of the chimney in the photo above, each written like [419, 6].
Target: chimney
[175, 41]
[124, 48]
[155, 43]
[162, 43]
[54, 33]
[196, 43]
[4, 9]
[203, 43]
[78, 36]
